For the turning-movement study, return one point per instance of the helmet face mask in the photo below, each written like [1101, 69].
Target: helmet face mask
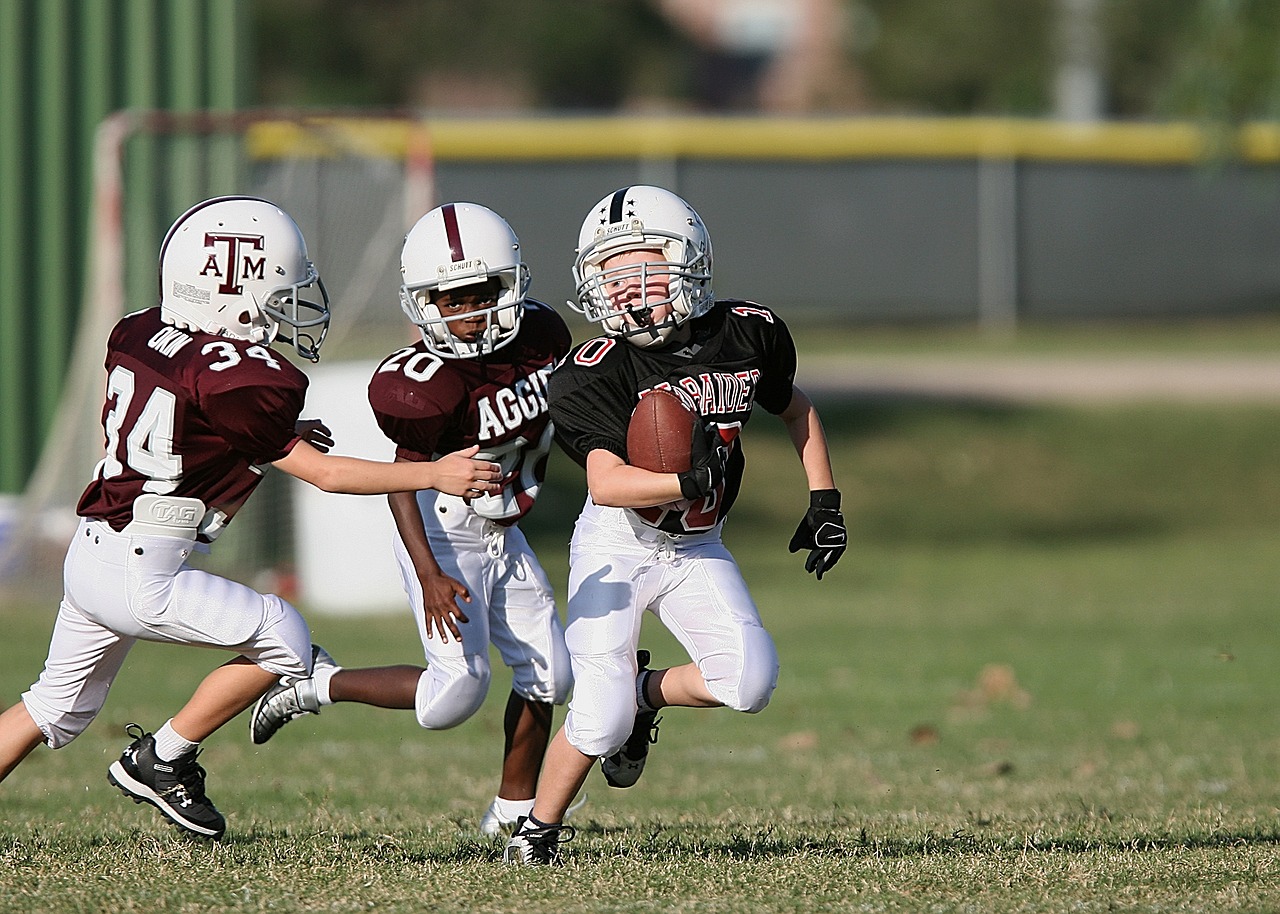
[643, 219]
[307, 315]
[237, 267]
[457, 249]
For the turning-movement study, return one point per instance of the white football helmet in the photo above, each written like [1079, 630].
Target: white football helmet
[236, 266]
[456, 245]
[643, 218]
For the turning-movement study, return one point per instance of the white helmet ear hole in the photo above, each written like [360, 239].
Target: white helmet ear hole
[507, 318]
[433, 323]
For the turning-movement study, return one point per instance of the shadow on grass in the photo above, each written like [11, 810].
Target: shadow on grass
[595, 844]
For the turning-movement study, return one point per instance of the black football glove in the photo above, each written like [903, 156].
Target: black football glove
[707, 459]
[821, 531]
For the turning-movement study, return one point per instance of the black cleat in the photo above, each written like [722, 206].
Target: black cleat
[624, 767]
[534, 845]
[175, 788]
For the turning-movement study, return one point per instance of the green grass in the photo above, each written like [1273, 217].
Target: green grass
[1043, 679]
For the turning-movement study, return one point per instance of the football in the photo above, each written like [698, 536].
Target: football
[660, 433]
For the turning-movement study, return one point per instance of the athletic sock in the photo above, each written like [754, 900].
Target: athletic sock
[510, 810]
[170, 744]
[642, 696]
[321, 679]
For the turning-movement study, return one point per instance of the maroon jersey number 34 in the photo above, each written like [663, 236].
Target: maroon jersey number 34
[192, 415]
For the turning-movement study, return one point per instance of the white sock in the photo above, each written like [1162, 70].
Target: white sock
[510, 810]
[170, 744]
[321, 679]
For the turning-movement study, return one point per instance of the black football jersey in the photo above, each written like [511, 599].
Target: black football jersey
[189, 414]
[431, 406]
[740, 354]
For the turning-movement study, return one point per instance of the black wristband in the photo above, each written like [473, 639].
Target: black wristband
[689, 487]
[825, 499]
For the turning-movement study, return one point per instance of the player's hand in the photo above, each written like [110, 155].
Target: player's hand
[459, 474]
[315, 433]
[821, 531]
[440, 596]
[706, 471]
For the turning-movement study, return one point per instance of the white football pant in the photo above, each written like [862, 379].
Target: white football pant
[120, 588]
[511, 605]
[618, 569]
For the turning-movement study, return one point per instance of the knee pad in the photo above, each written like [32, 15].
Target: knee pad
[451, 690]
[599, 736]
[60, 728]
[746, 685]
[603, 710]
[283, 644]
[545, 679]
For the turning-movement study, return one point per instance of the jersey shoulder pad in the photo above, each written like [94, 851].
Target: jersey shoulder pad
[742, 310]
[412, 383]
[221, 364]
[544, 327]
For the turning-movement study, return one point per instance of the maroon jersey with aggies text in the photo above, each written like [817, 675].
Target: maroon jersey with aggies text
[431, 406]
[189, 414]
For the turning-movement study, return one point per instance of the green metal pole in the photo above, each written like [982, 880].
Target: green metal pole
[55, 294]
[141, 204]
[184, 67]
[15, 132]
[97, 58]
[229, 42]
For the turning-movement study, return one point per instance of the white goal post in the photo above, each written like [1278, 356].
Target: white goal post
[353, 184]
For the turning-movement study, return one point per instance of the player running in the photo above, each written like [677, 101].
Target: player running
[198, 408]
[478, 377]
[651, 541]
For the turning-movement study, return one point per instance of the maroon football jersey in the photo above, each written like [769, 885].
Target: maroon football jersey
[431, 406]
[189, 414]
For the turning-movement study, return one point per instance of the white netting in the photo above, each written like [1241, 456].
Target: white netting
[353, 185]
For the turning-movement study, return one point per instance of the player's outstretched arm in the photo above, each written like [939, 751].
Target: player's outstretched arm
[822, 529]
[804, 428]
[457, 473]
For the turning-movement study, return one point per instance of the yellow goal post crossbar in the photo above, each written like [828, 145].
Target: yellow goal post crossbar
[764, 138]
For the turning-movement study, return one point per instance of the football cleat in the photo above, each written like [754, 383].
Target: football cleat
[534, 845]
[175, 788]
[288, 699]
[624, 767]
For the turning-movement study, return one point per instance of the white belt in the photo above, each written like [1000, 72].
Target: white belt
[166, 515]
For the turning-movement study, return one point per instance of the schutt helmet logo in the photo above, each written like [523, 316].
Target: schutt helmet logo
[240, 262]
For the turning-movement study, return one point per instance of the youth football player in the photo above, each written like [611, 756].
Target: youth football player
[478, 378]
[198, 407]
[650, 541]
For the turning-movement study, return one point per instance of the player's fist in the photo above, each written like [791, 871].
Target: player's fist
[707, 459]
[821, 531]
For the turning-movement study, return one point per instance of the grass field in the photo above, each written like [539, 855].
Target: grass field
[1043, 679]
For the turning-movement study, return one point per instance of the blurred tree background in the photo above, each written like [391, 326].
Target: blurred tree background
[1205, 59]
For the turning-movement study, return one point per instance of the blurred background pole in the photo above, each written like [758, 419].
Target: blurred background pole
[998, 243]
[1078, 85]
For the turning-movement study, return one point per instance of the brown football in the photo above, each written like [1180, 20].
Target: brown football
[660, 433]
